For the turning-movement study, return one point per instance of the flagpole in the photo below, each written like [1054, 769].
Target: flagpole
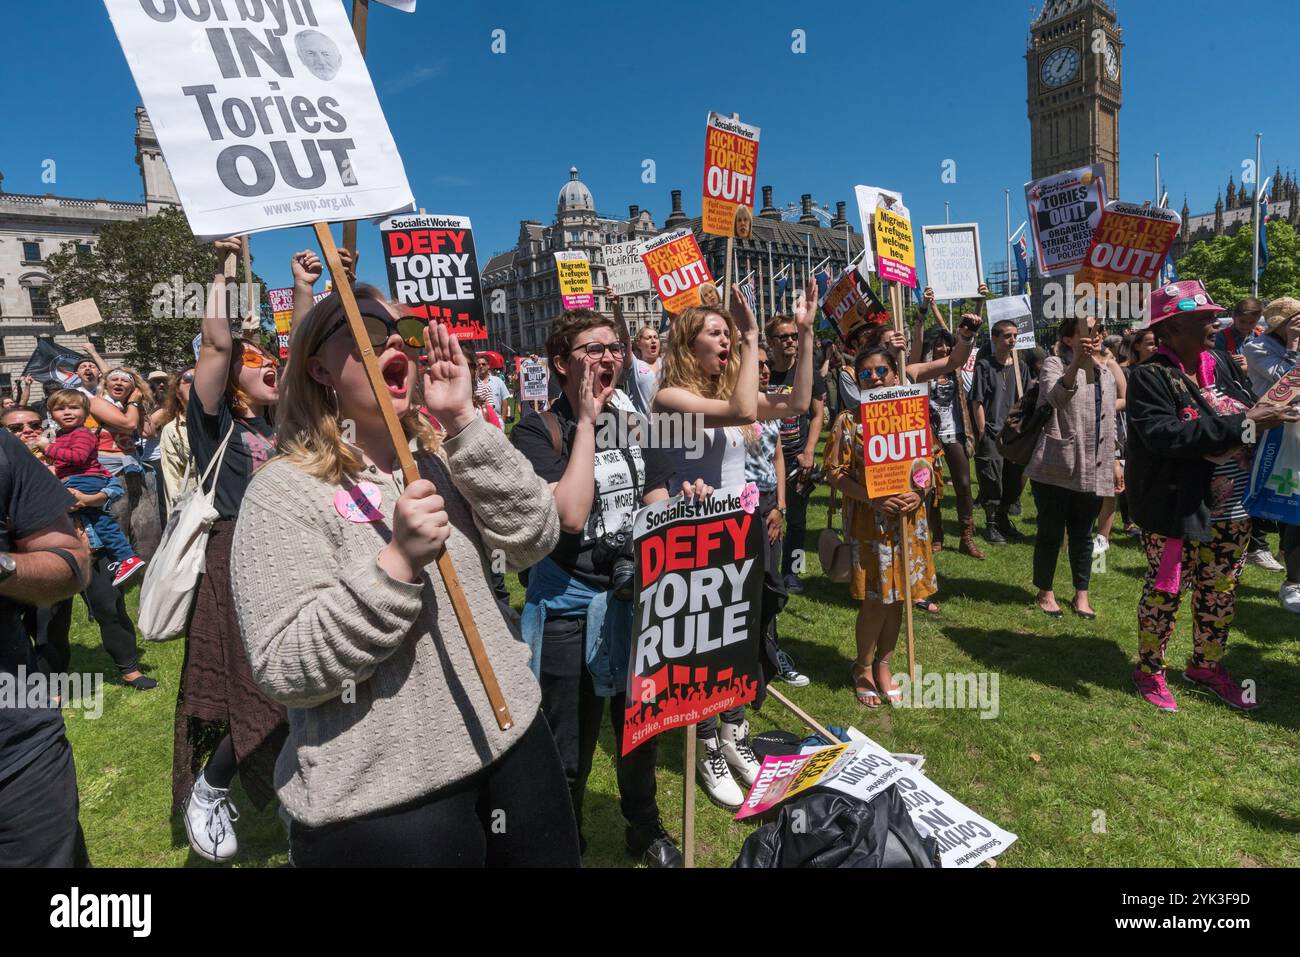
[1007, 194]
[946, 220]
[771, 283]
[1157, 197]
[1254, 215]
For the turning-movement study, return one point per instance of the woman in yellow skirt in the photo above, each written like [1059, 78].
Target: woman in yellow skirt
[873, 527]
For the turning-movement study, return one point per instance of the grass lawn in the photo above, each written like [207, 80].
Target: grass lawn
[1085, 772]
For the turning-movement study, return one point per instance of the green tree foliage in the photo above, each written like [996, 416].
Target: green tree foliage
[1224, 265]
[149, 278]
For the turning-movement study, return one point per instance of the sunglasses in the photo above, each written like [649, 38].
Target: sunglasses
[253, 359]
[873, 372]
[596, 350]
[786, 335]
[410, 330]
[16, 427]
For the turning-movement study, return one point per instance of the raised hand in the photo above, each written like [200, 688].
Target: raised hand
[306, 267]
[448, 381]
[741, 314]
[805, 307]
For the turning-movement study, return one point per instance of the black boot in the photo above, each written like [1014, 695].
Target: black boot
[650, 843]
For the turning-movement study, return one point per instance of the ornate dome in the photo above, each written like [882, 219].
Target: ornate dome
[575, 197]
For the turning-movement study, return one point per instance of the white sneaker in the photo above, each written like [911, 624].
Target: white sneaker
[1100, 543]
[1289, 595]
[1264, 559]
[210, 822]
[711, 770]
[788, 673]
[740, 756]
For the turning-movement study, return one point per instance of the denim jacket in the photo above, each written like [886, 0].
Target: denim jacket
[552, 592]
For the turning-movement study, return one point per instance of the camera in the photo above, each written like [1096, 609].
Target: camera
[613, 550]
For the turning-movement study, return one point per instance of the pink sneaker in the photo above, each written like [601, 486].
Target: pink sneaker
[1220, 682]
[1153, 689]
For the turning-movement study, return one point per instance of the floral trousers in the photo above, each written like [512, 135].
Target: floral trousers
[1210, 570]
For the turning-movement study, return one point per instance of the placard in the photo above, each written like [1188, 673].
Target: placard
[851, 301]
[574, 273]
[677, 271]
[265, 113]
[534, 375]
[624, 269]
[1131, 242]
[281, 301]
[1018, 310]
[895, 250]
[895, 433]
[730, 165]
[433, 271]
[953, 266]
[871, 198]
[1064, 210]
[695, 632]
[79, 315]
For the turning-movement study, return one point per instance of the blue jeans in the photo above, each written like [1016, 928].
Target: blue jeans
[110, 533]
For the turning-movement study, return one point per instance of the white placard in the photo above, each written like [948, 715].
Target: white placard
[623, 266]
[953, 266]
[870, 198]
[406, 6]
[1017, 310]
[534, 379]
[79, 315]
[265, 112]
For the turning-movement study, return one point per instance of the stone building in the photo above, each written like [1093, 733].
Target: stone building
[1232, 211]
[34, 227]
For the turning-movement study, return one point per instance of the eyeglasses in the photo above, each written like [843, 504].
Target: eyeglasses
[253, 359]
[409, 329]
[873, 372]
[786, 335]
[596, 350]
[764, 364]
[16, 427]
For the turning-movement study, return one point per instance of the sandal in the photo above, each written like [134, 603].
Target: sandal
[895, 694]
[868, 696]
[927, 606]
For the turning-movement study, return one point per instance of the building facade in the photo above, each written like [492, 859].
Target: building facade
[34, 227]
[1234, 212]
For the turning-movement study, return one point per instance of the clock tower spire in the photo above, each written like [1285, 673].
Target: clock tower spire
[1075, 69]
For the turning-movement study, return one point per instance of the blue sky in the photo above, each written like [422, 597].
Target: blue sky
[884, 95]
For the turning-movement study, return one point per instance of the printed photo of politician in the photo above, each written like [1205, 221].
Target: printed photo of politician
[318, 53]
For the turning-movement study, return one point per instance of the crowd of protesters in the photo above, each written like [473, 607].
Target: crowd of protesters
[323, 663]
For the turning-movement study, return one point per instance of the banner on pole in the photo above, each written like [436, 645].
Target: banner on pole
[895, 433]
[534, 375]
[1131, 243]
[433, 271]
[851, 302]
[895, 250]
[1015, 309]
[574, 273]
[265, 112]
[624, 268]
[678, 271]
[699, 582]
[730, 165]
[953, 266]
[1064, 210]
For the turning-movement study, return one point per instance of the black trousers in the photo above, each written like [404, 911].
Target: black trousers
[796, 519]
[1063, 511]
[575, 712]
[1000, 481]
[38, 813]
[513, 813]
[1291, 551]
[49, 627]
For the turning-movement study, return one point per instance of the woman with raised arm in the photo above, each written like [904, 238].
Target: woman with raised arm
[222, 718]
[394, 756]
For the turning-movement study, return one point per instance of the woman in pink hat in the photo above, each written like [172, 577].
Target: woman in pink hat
[1186, 473]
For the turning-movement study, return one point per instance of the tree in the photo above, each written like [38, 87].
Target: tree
[1224, 264]
[149, 278]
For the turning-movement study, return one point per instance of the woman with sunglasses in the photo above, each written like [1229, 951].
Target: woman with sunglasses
[873, 524]
[222, 718]
[394, 756]
[174, 437]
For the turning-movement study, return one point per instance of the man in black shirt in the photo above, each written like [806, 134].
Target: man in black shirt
[799, 436]
[993, 393]
[42, 561]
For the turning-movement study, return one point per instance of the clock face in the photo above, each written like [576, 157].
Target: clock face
[1061, 66]
[1112, 61]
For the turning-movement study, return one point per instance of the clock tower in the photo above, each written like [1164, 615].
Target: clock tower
[1075, 65]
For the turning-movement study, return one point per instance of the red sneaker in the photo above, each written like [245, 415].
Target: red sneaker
[1217, 680]
[1153, 689]
[126, 570]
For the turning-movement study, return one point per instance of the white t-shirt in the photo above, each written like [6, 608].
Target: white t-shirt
[500, 393]
[642, 384]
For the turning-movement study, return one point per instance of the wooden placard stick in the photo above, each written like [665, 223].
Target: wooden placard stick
[726, 281]
[360, 17]
[464, 616]
[688, 800]
[802, 715]
[251, 319]
[896, 302]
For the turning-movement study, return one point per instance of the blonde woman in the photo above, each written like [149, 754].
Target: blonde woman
[710, 371]
[174, 438]
[394, 757]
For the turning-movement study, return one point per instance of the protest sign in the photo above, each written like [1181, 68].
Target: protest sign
[281, 301]
[575, 279]
[1274, 491]
[624, 268]
[871, 198]
[730, 165]
[863, 769]
[677, 269]
[784, 776]
[1064, 210]
[895, 251]
[895, 433]
[433, 271]
[1131, 243]
[79, 315]
[953, 267]
[265, 112]
[1017, 310]
[851, 302]
[699, 583]
[534, 376]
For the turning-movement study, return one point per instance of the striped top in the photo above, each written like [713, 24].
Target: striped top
[75, 453]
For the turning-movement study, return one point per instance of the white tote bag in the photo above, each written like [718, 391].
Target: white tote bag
[173, 574]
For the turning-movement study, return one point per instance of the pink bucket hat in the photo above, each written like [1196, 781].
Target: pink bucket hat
[1179, 299]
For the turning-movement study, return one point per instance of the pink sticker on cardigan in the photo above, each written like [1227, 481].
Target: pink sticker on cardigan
[360, 504]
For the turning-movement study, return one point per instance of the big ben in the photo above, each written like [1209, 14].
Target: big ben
[1075, 66]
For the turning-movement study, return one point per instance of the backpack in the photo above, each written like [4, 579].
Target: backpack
[172, 577]
[1025, 421]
